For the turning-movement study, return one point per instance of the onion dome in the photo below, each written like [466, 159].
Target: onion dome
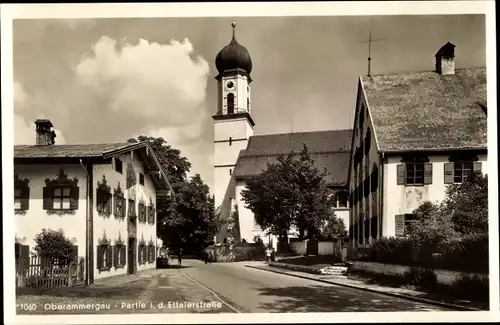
[233, 56]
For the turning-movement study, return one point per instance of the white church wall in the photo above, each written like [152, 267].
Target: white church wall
[248, 228]
[235, 128]
[227, 154]
[343, 214]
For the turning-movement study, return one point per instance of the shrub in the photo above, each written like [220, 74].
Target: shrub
[423, 278]
[53, 246]
[391, 250]
[467, 254]
[471, 287]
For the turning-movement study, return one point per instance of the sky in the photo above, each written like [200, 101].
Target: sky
[110, 79]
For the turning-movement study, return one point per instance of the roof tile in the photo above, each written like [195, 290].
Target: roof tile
[329, 149]
[66, 151]
[425, 110]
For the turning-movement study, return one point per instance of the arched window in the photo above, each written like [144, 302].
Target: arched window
[230, 103]
[248, 104]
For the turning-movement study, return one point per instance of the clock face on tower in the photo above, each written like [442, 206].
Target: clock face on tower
[229, 85]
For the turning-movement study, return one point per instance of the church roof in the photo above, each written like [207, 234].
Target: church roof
[329, 149]
[428, 111]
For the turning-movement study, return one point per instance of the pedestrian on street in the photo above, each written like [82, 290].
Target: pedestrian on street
[268, 255]
[180, 258]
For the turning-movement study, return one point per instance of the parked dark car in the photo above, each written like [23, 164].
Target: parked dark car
[162, 262]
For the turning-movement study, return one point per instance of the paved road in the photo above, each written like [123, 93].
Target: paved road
[252, 290]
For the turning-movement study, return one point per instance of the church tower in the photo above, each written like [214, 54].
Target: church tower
[233, 124]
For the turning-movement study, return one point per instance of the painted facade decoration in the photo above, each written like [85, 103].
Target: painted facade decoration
[79, 189]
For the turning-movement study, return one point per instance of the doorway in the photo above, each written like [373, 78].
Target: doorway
[132, 247]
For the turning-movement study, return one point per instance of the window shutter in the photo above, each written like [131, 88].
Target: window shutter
[48, 201]
[124, 205]
[123, 254]
[153, 214]
[115, 255]
[99, 199]
[400, 225]
[401, 172]
[154, 252]
[428, 173]
[99, 257]
[109, 202]
[448, 173]
[73, 203]
[25, 201]
[110, 256]
[477, 165]
[115, 200]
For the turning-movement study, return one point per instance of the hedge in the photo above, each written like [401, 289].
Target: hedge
[467, 254]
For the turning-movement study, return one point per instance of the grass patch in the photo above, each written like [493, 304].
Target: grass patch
[319, 261]
[469, 291]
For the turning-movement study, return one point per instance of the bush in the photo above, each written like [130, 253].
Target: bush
[392, 250]
[423, 278]
[466, 254]
[53, 246]
[471, 287]
[469, 253]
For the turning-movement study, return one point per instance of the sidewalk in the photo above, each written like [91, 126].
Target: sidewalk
[358, 284]
[122, 279]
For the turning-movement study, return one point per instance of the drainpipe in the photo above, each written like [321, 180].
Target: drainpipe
[381, 194]
[87, 228]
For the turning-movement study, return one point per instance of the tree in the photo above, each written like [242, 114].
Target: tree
[334, 228]
[467, 205]
[431, 224]
[291, 192]
[314, 198]
[187, 220]
[53, 246]
[464, 211]
[170, 159]
[190, 222]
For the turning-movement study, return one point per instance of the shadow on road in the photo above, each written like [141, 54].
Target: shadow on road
[334, 299]
[174, 267]
[123, 291]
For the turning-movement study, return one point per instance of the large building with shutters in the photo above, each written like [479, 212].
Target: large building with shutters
[414, 133]
[102, 196]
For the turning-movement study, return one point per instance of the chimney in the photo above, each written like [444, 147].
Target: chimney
[445, 59]
[44, 134]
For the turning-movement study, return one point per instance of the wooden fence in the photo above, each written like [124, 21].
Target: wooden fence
[36, 272]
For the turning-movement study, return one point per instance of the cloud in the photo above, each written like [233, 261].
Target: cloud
[156, 89]
[114, 89]
[24, 132]
[162, 84]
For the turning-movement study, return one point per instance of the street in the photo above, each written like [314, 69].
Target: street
[245, 289]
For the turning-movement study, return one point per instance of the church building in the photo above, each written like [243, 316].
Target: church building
[239, 154]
